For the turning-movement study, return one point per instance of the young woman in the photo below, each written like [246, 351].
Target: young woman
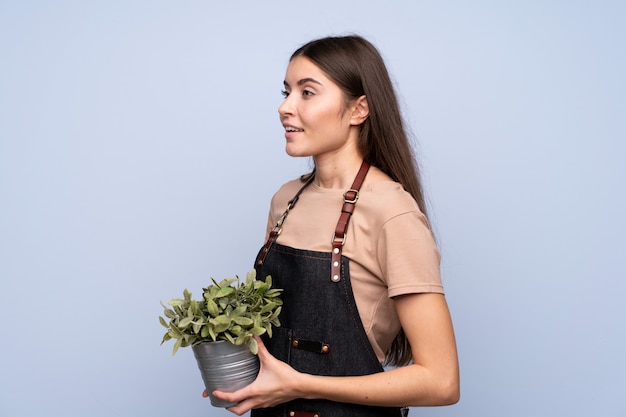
[351, 246]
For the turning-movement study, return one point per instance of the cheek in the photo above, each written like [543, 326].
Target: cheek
[326, 117]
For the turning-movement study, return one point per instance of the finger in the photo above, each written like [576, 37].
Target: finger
[205, 394]
[241, 407]
[231, 397]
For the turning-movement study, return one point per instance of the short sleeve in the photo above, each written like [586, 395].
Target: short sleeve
[408, 255]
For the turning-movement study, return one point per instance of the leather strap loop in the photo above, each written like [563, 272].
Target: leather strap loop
[310, 345]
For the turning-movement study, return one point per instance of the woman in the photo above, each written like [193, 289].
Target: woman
[353, 252]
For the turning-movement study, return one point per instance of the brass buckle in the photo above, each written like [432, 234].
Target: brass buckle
[335, 238]
[353, 201]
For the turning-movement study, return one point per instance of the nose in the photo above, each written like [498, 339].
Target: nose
[286, 108]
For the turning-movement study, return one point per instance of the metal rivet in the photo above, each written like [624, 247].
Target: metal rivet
[336, 250]
[316, 415]
[335, 278]
[294, 343]
[292, 413]
[336, 263]
[325, 349]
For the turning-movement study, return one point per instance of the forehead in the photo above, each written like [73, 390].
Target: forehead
[301, 68]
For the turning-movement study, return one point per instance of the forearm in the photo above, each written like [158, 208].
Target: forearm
[412, 385]
[432, 380]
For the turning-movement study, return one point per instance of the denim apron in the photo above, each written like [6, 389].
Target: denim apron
[321, 332]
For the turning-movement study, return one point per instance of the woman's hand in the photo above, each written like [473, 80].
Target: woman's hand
[432, 379]
[276, 383]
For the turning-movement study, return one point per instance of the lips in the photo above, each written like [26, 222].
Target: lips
[292, 129]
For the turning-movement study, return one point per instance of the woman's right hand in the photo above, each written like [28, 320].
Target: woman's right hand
[276, 383]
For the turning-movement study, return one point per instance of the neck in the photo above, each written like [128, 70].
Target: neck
[337, 173]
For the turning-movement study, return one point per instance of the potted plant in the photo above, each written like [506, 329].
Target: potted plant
[221, 327]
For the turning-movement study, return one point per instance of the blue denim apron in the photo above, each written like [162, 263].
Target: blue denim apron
[321, 332]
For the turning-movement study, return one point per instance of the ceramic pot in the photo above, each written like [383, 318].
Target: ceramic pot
[225, 366]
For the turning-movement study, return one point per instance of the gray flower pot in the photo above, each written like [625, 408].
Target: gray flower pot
[225, 366]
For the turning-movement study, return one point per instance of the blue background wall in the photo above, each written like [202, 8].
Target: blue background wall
[140, 145]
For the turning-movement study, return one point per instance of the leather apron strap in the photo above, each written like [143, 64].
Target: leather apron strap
[278, 228]
[350, 198]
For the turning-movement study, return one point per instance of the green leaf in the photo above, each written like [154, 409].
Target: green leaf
[276, 313]
[251, 276]
[163, 322]
[268, 307]
[253, 345]
[178, 344]
[243, 321]
[221, 328]
[222, 319]
[197, 327]
[184, 323]
[176, 302]
[240, 310]
[166, 337]
[212, 332]
[225, 291]
[273, 293]
[223, 303]
[204, 332]
[179, 311]
[193, 305]
[169, 313]
[257, 331]
[212, 308]
[176, 332]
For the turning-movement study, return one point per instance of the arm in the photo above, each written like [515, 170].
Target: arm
[433, 378]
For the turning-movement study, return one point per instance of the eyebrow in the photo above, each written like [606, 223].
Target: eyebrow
[304, 81]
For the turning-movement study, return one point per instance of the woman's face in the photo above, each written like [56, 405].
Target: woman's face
[314, 113]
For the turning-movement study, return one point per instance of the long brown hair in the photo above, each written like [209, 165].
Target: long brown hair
[357, 67]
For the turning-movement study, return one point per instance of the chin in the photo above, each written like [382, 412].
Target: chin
[295, 152]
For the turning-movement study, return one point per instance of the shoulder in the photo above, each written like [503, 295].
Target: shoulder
[388, 193]
[286, 192]
[388, 199]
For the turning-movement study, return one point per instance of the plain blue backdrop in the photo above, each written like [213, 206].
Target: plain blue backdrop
[140, 145]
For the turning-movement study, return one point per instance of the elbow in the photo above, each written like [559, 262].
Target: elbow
[441, 393]
[448, 392]
[450, 395]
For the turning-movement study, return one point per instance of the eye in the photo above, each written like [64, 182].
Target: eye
[308, 93]
[284, 93]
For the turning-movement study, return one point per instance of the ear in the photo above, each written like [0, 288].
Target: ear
[360, 111]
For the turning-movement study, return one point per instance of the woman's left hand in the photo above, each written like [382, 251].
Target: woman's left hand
[276, 383]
